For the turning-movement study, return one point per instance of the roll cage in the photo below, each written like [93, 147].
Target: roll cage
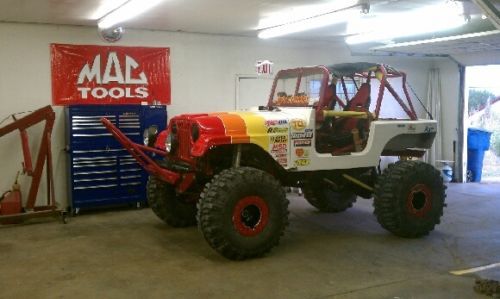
[341, 73]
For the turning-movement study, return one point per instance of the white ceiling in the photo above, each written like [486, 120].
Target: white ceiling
[235, 17]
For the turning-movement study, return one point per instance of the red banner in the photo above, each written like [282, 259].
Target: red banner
[84, 74]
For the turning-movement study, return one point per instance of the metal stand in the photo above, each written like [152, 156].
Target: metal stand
[44, 155]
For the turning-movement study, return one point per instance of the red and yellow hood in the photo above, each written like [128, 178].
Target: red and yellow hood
[261, 128]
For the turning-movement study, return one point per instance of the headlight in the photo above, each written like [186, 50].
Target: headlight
[149, 135]
[168, 143]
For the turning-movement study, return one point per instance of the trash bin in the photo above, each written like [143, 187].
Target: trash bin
[478, 141]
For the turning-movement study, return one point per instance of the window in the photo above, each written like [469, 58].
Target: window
[314, 88]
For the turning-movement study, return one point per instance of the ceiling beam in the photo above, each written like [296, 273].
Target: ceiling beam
[490, 11]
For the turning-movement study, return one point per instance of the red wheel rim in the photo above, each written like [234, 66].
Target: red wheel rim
[419, 200]
[250, 216]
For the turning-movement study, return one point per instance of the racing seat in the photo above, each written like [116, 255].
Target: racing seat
[348, 132]
[346, 128]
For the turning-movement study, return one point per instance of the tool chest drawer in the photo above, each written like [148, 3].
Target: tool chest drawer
[102, 172]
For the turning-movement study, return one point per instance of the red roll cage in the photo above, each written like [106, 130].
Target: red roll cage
[377, 71]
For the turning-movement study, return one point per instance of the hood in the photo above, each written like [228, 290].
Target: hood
[246, 126]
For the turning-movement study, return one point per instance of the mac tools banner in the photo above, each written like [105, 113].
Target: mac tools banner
[83, 74]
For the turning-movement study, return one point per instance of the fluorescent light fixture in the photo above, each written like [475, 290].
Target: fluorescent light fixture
[305, 18]
[299, 13]
[106, 7]
[439, 40]
[308, 24]
[427, 20]
[126, 12]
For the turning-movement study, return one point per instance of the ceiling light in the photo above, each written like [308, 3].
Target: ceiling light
[306, 17]
[388, 26]
[484, 17]
[126, 12]
[439, 40]
[308, 24]
[303, 12]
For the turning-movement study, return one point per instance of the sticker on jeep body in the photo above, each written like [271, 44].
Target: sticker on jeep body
[279, 139]
[276, 122]
[301, 152]
[277, 130]
[302, 162]
[298, 124]
[307, 134]
[302, 143]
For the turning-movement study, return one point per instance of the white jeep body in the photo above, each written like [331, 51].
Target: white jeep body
[292, 134]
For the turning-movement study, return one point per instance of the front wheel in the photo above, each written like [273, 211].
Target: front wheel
[409, 198]
[243, 212]
[170, 207]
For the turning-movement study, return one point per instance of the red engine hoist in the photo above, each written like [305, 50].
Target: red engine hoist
[11, 200]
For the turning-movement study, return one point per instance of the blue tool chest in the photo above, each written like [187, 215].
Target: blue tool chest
[102, 172]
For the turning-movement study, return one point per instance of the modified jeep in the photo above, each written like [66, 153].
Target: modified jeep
[319, 131]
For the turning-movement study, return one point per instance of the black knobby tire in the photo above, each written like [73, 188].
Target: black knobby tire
[409, 198]
[243, 212]
[169, 206]
[320, 195]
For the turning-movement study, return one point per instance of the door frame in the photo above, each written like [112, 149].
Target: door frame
[238, 78]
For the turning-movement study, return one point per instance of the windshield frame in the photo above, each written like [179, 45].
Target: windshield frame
[299, 73]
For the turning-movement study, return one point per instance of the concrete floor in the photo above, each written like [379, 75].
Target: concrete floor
[132, 254]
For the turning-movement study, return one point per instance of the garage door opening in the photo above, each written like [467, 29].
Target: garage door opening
[483, 116]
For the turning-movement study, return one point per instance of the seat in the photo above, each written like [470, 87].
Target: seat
[361, 103]
[343, 138]
[361, 100]
[337, 135]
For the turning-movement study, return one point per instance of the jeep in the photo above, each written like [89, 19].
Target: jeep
[319, 131]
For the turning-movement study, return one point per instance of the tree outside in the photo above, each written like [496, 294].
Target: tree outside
[478, 98]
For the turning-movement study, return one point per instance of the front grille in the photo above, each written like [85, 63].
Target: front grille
[184, 139]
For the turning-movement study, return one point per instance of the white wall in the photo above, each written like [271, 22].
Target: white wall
[450, 88]
[203, 69]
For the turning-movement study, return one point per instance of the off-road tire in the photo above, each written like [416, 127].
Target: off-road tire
[320, 196]
[224, 201]
[169, 206]
[409, 198]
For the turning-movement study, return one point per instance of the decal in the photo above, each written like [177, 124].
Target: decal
[301, 153]
[279, 148]
[276, 122]
[401, 126]
[279, 139]
[302, 162]
[277, 130]
[302, 142]
[307, 134]
[429, 129]
[282, 161]
[298, 124]
[89, 74]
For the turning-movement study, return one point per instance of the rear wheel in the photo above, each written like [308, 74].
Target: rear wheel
[321, 196]
[174, 209]
[243, 212]
[409, 198]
